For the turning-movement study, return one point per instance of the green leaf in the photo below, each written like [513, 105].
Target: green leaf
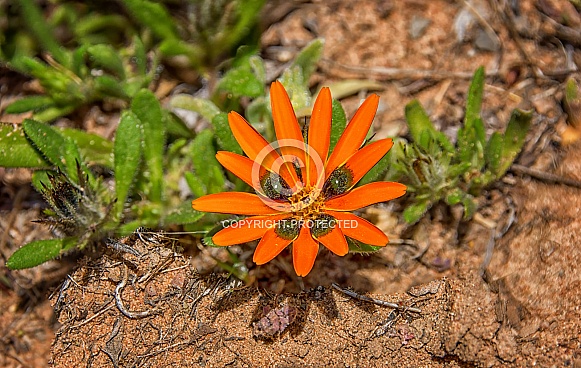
[38, 252]
[51, 113]
[176, 126]
[207, 168]
[109, 86]
[93, 148]
[493, 152]
[153, 16]
[147, 109]
[106, 57]
[474, 105]
[47, 140]
[196, 186]
[16, 150]
[294, 82]
[241, 81]
[355, 246]
[471, 137]
[38, 25]
[184, 214]
[514, 138]
[72, 158]
[39, 177]
[139, 55]
[422, 130]
[308, 58]
[202, 106]
[470, 206]
[128, 148]
[225, 137]
[338, 123]
[414, 212]
[32, 103]
[257, 65]
[455, 197]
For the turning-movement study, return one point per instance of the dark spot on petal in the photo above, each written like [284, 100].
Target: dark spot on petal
[340, 180]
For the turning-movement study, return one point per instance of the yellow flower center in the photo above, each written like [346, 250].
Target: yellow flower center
[307, 203]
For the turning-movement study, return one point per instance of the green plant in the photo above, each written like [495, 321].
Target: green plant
[201, 31]
[438, 170]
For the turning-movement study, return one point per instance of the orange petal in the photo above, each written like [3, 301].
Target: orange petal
[257, 148]
[238, 165]
[287, 129]
[359, 229]
[366, 195]
[319, 135]
[233, 203]
[269, 247]
[305, 250]
[246, 230]
[364, 159]
[335, 241]
[354, 133]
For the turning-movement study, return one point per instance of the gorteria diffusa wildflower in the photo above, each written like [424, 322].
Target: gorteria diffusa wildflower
[304, 196]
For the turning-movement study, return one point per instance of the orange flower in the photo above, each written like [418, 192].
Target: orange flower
[303, 195]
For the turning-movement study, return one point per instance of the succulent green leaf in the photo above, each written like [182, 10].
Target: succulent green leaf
[257, 65]
[42, 31]
[110, 86]
[139, 55]
[49, 142]
[93, 148]
[53, 112]
[176, 126]
[294, 82]
[72, 159]
[338, 123]
[472, 136]
[415, 211]
[470, 206]
[226, 139]
[153, 16]
[308, 58]
[455, 197]
[128, 150]
[78, 64]
[195, 183]
[16, 150]
[474, 104]
[207, 168]
[422, 130]
[147, 109]
[32, 103]
[38, 252]
[106, 57]
[242, 81]
[184, 214]
[355, 246]
[514, 138]
[202, 106]
[493, 153]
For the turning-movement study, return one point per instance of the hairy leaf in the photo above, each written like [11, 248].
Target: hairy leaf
[128, 150]
[147, 109]
[38, 252]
